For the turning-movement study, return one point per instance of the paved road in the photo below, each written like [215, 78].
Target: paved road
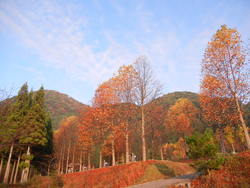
[163, 183]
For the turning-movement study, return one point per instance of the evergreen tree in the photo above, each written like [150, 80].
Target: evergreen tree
[15, 121]
[34, 132]
[43, 154]
[49, 133]
[35, 122]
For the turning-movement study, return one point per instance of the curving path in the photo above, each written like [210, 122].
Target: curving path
[163, 183]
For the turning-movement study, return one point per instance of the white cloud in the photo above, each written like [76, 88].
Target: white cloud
[57, 35]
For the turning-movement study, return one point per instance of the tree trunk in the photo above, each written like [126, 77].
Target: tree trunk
[12, 173]
[7, 171]
[25, 171]
[30, 172]
[144, 158]
[127, 147]
[80, 161]
[100, 159]
[233, 148]
[152, 147]
[222, 145]
[73, 160]
[1, 167]
[17, 167]
[113, 152]
[59, 162]
[89, 164]
[67, 163]
[243, 123]
[161, 153]
[62, 163]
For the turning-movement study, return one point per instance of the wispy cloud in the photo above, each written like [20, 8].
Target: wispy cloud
[57, 35]
[88, 48]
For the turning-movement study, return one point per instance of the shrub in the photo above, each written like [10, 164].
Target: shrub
[202, 145]
[214, 163]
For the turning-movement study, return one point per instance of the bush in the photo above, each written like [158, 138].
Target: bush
[215, 163]
[165, 170]
[202, 145]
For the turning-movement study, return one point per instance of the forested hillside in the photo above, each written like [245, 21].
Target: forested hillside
[61, 105]
[169, 99]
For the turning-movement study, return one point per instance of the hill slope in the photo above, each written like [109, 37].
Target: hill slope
[61, 105]
[169, 99]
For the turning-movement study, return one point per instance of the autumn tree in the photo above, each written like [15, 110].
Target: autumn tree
[126, 85]
[147, 89]
[224, 63]
[154, 129]
[181, 116]
[66, 144]
[175, 151]
[106, 97]
[86, 135]
[217, 111]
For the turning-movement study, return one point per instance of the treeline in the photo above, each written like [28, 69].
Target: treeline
[107, 126]
[25, 136]
[124, 122]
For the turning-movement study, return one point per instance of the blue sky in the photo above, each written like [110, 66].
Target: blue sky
[72, 46]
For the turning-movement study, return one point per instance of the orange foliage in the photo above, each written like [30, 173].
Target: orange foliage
[175, 151]
[112, 103]
[180, 116]
[217, 109]
[106, 93]
[85, 131]
[125, 83]
[225, 79]
[154, 128]
[117, 176]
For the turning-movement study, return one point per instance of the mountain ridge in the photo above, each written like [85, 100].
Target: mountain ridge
[61, 105]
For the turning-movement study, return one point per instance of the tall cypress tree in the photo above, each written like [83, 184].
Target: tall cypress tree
[43, 154]
[19, 111]
[35, 133]
[35, 122]
[49, 131]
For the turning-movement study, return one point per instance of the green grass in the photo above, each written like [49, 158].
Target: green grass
[165, 170]
[155, 172]
[151, 174]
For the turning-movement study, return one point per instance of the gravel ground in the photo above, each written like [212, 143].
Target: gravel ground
[163, 183]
